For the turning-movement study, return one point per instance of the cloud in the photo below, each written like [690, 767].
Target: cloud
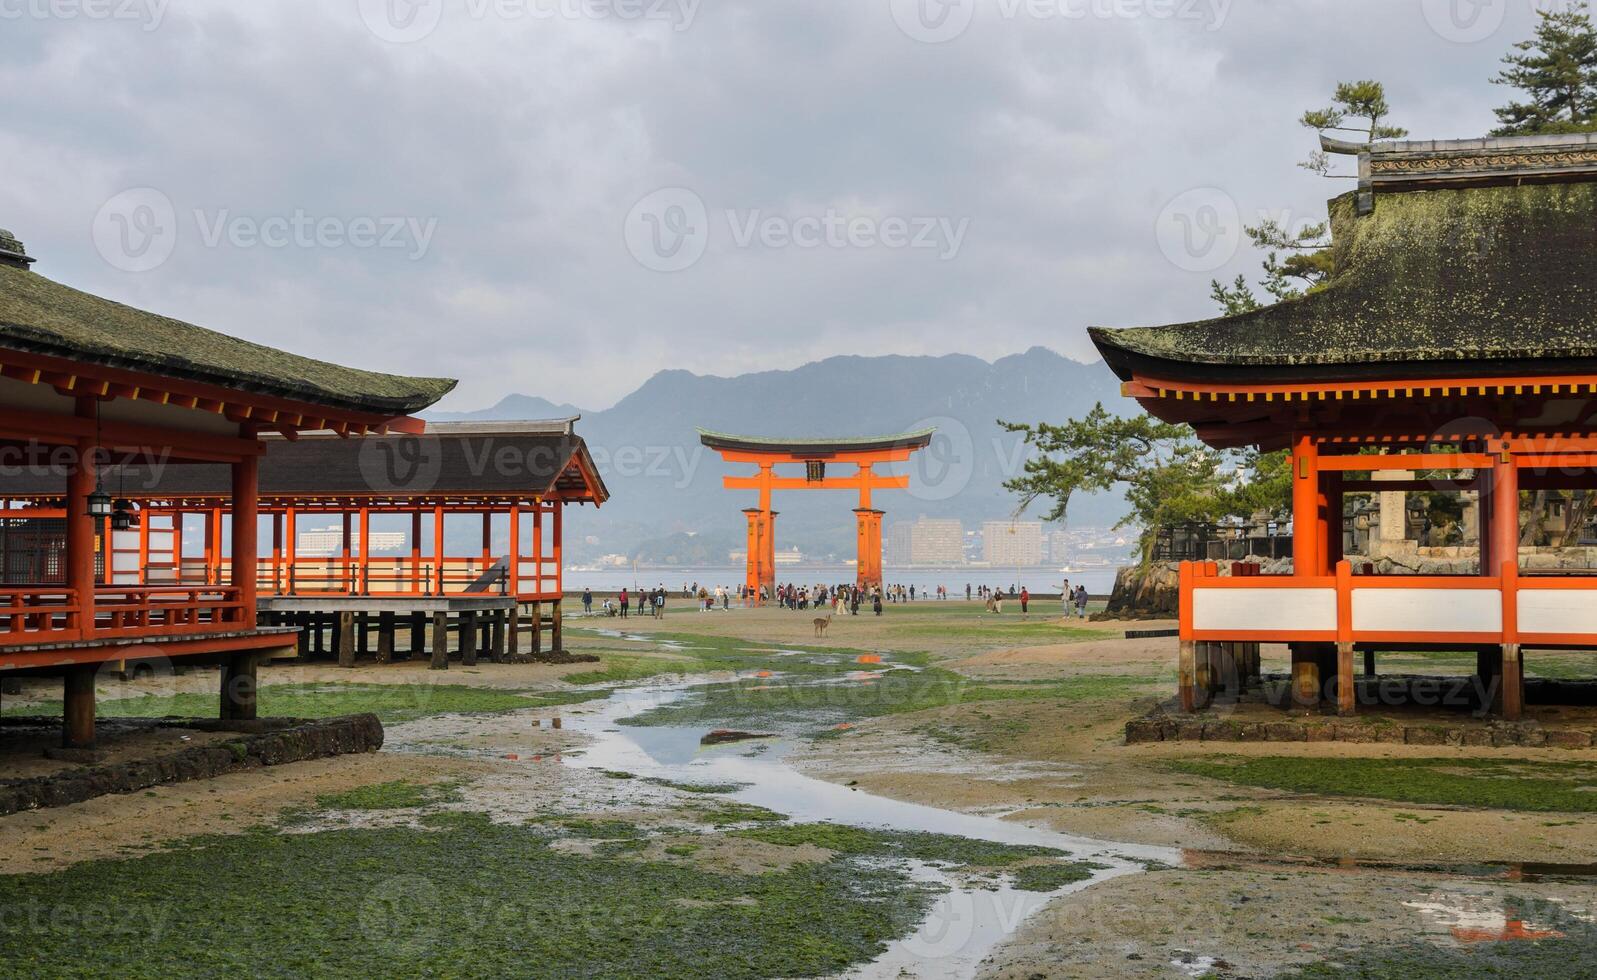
[528, 130]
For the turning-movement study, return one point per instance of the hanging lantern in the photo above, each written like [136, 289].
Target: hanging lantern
[99, 503]
[124, 517]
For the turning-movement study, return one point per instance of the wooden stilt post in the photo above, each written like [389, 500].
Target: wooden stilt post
[345, 639]
[363, 646]
[1188, 680]
[239, 687]
[385, 637]
[1305, 676]
[556, 621]
[77, 708]
[318, 634]
[1203, 679]
[1346, 699]
[418, 635]
[497, 644]
[537, 630]
[1369, 663]
[303, 640]
[468, 638]
[440, 654]
[513, 631]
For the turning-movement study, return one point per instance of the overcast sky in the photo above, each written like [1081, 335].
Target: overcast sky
[561, 197]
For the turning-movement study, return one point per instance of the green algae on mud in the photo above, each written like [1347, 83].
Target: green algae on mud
[802, 704]
[1503, 784]
[947, 849]
[393, 703]
[465, 896]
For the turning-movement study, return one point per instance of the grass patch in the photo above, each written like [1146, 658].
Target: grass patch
[943, 849]
[397, 795]
[695, 787]
[1052, 877]
[472, 898]
[392, 703]
[1492, 783]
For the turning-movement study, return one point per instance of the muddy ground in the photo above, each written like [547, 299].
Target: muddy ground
[1268, 880]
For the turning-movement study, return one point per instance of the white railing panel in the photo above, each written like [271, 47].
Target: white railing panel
[1568, 611]
[1427, 610]
[1263, 609]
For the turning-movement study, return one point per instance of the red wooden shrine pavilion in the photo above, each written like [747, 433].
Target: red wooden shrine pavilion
[366, 520]
[815, 455]
[1456, 338]
[86, 384]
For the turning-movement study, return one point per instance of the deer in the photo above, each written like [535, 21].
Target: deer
[821, 624]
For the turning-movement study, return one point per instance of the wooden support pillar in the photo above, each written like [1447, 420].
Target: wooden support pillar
[513, 631]
[1188, 679]
[418, 634]
[363, 646]
[437, 584]
[77, 707]
[496, 646]
[1203, 679]
[1512, 697]
[466, 627]
[318, 634]
[556, 621]
[303, 640]
[240, 685]
[440, 652]
[415, 551]
[385, 637]
[1369, 663]
[1305, 676]
[537, 630]
[1346, 691]
[1306, 523]
[344, 639]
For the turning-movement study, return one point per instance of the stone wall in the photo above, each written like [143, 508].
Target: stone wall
[268, 742]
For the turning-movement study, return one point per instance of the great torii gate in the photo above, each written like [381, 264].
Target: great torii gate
[816, 455]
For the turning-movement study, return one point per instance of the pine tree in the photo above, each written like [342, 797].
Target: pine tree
[1557, 70]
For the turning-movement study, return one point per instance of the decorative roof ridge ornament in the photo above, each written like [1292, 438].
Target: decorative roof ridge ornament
[12, 252]
[1410, 165]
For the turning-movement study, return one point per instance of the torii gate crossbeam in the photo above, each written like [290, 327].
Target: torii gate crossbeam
[817, 455]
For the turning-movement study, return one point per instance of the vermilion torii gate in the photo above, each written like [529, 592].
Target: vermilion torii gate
[863, 454]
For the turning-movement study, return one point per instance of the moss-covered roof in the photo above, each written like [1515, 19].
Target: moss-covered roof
[1451, 280]
[45, 317]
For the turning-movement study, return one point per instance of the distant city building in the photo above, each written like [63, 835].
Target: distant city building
[1010, 544]
[927, 541]
[330, 541]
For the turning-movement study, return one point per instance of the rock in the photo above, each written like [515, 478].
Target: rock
[1566, 739]
[1143, 730]
[1425, 736]
[1145, 592]
[722, 736]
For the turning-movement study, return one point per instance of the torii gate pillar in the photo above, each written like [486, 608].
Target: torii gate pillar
[761, 566]
[869, 567]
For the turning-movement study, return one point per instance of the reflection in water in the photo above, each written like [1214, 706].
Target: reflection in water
[1480, 919]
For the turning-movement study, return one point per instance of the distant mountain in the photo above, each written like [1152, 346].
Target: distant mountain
[664, 483]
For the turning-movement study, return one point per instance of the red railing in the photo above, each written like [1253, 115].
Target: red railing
[38, 615]
[167, 610]
[399, 576]
[52, 615]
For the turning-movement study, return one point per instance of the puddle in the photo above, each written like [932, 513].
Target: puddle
[965, 923]
[1472, 919]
